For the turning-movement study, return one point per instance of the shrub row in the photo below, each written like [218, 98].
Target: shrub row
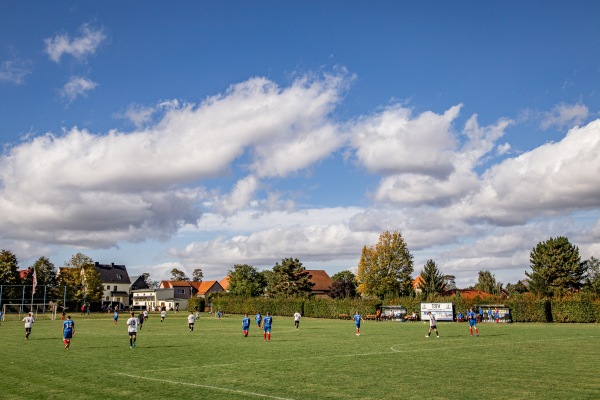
[524, 308]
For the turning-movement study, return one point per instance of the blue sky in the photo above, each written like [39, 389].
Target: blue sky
[204, 134]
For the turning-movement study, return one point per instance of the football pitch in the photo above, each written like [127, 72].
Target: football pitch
[324, 359]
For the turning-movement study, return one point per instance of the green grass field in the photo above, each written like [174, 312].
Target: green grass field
[324, 359]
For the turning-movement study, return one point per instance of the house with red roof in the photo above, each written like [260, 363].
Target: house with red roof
[322, 282]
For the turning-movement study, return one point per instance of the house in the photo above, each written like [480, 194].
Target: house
[207, 287]
[182, 289]
[116, 284]
[416, 283]
[225, 283]
[322, 282]
[138, 282]
[170, 295]
[157, 298]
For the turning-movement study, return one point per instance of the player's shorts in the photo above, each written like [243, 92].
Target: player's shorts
[432, 326]
[67, 334]
[245, 327]
[191, 325]
[472, 322]
[133, 333]
[268, 329]
[357, 324]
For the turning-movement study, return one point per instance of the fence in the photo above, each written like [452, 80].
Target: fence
[45, 299]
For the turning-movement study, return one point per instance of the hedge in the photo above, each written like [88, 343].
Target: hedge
[524, 308]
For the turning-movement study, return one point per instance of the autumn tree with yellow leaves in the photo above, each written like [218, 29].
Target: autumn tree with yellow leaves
[385, 269]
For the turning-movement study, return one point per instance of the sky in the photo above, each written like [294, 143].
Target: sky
[203, 134]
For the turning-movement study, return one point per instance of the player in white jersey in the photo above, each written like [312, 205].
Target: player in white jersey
[432, 325]
[132, 326]
[28, 320]
[191, 321]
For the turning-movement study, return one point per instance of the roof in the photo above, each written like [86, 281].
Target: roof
[23, 273]
[173, 284]
[112, 273]
[138, 282]
[224, 283]
[417, 281]
[208, 285]
[321, 280]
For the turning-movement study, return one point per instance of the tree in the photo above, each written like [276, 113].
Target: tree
[519, 287]
[343, 286]
[432, 279]
[82, 278]
[289, 279]
[486, 282]
[592, 281]
[9, 275]
[178, 275]
[246, 281]
[556, 267]
[45, 272]
[152, 284]
[385, 269]
[450, 282]
[197, 275]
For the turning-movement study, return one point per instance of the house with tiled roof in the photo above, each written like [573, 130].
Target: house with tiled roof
[416, 283]
[322, 282]
[116, 282]
[225, 283]
[207, 287]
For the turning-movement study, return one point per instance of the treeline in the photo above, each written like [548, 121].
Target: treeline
[575, 308]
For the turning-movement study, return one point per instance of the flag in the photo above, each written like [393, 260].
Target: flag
[34, 282]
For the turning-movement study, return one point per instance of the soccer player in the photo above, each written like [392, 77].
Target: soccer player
[432, 325]
[115, 317]
[245, 325]
[140, 320]
[132, 325]
[163, 314]
[191, 321]
[28, 320]
[258, 319]
[68, 331]
[357, 318]
[297, 319]
[267, 327]
[472, 317]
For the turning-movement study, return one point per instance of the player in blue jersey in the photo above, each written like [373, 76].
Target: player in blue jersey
[68, 331]
[357, 319]
[258, 319]
[115, 317]
[245, 324]
[267, 327]
[472, 317]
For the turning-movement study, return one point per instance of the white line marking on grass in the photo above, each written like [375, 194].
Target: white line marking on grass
[485, 344]
[206, 387]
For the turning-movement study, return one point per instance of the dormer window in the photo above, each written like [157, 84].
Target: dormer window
[119, 276]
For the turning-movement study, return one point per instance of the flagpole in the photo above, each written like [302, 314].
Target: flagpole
[33, 285]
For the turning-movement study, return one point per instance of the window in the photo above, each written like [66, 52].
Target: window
[119, 276]
[107, 298]
[115, 288]
[107, 287]
[180, 291]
